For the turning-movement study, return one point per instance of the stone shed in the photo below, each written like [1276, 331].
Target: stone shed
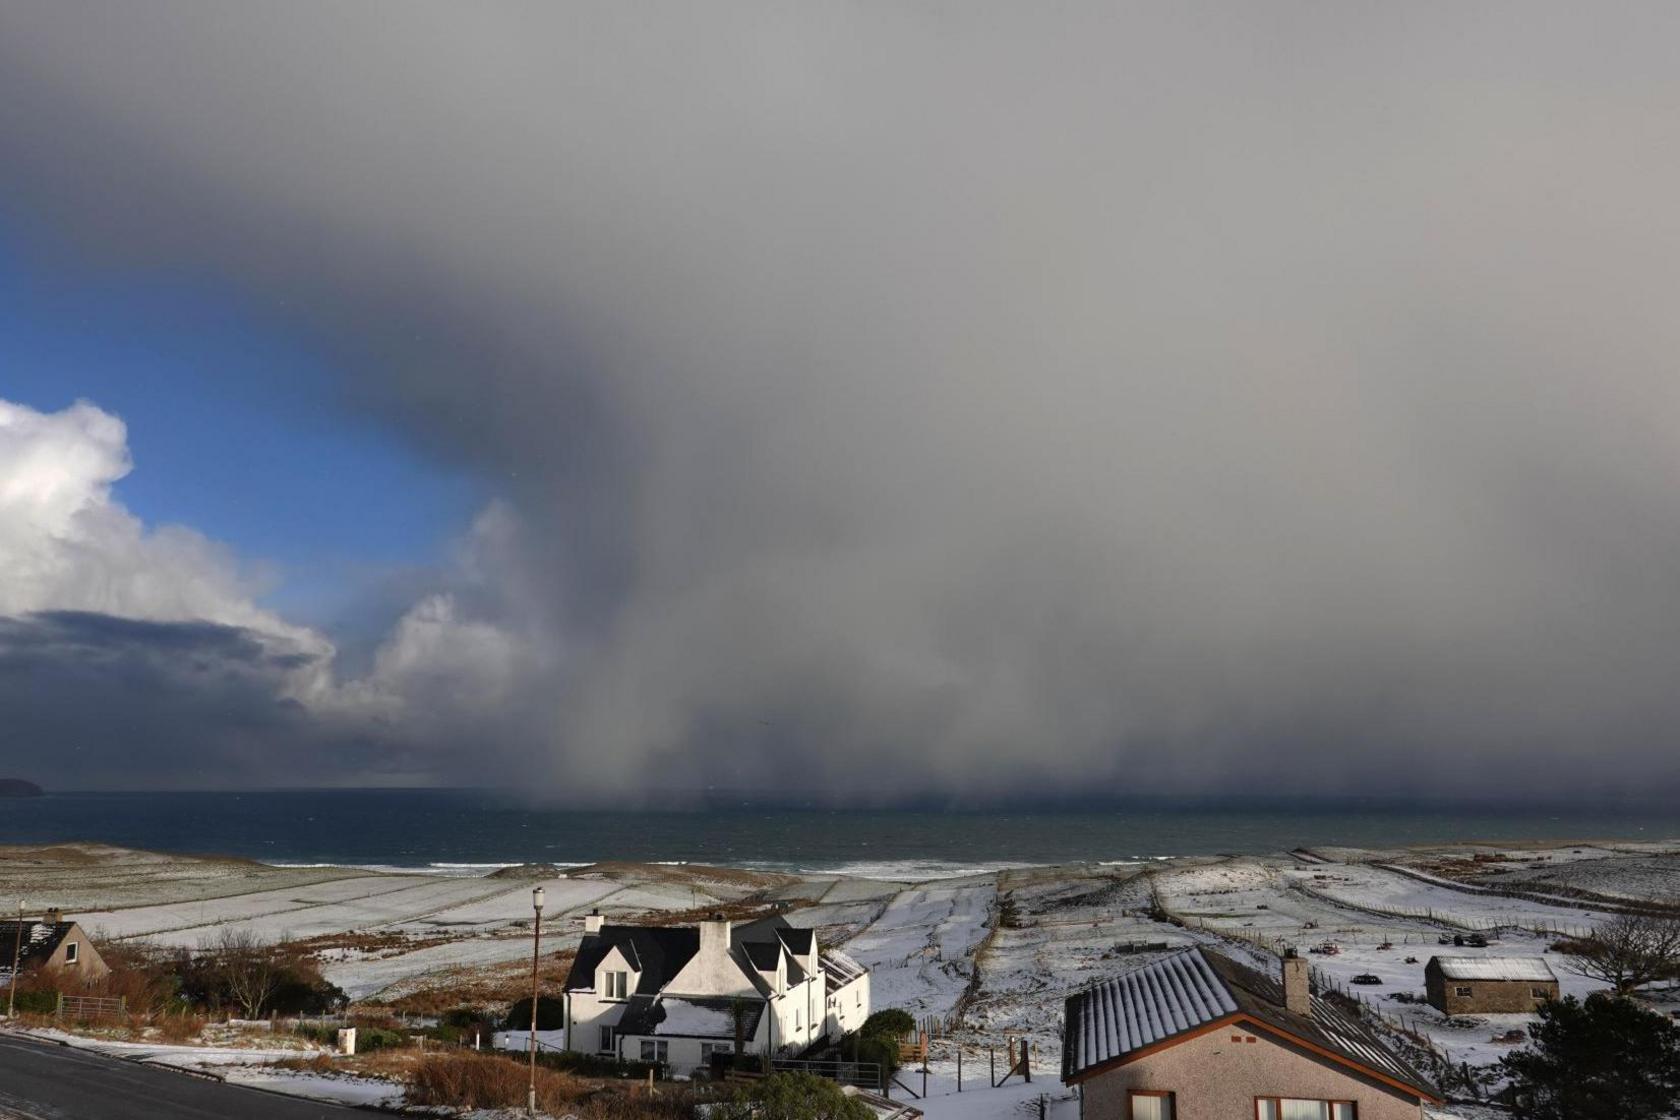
[1481, 985]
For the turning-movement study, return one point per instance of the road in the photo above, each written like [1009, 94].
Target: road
[42, 1081]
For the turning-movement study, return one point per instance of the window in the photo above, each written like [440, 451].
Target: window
[1461, 991]
[606, 1040]
[1147, 1104]
[1292, 1108]
[1540, 993]
[615, 985]
[655, 1050]
[798, 1023]
[70, 948]
[707, 1049]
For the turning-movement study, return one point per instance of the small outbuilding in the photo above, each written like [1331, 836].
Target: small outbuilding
[52, 946]
[1480, 985]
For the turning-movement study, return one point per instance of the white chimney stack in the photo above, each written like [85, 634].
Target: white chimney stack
[714, 937]
[592, 921]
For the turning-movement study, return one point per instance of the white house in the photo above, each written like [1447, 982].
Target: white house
[679, 994]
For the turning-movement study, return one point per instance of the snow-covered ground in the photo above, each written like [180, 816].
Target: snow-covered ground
[992, 954]
[920, 950]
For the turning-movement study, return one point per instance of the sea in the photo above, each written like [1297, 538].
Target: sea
[470, 831]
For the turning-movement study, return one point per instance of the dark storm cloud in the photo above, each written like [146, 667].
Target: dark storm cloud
[93, 701]
[970, 399]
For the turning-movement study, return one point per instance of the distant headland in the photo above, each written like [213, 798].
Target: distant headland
[17, 787]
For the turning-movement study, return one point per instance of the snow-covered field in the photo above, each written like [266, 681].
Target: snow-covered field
[989, 954]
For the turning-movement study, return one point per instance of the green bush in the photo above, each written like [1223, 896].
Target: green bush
[36, 1003]
[879, 1049]
[793, 1096]
[369, 1039]
[892, 1023]
[551, 1015]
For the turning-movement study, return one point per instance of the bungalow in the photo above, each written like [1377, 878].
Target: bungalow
[51, 946]
[1478, 985]
[1197, 1036]
[679, 994]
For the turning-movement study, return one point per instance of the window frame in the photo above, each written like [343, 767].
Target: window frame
[1463, 991]
[616, 986]
[72, 952]
[1158, 1094]
[606, 1041]
[1332, 1102]
[661, 1051]
[1539, 993]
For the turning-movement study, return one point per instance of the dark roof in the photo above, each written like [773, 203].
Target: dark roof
[659, 951]
[1188, 990]
[40, 941]
[763, 954]
[798, 941]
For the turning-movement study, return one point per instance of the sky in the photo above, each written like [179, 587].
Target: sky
[880, 402]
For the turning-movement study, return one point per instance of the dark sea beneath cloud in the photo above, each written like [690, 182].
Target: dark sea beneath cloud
[470, 831]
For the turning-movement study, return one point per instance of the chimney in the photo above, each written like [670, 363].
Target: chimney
[714, 937]
[53, 916]
[592, 921]
[1297, 989]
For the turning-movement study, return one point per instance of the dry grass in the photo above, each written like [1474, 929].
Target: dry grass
[179, 1028]
[468, 1080]
[464, 1080]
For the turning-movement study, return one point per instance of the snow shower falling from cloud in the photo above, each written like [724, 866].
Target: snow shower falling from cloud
[946, 399]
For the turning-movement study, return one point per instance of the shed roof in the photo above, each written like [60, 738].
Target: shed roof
[1529, 969]
[40, 941]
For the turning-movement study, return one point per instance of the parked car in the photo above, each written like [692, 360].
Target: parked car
[1366, 978]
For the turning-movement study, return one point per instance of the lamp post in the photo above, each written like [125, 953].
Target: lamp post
[17, 955]
[536, 954]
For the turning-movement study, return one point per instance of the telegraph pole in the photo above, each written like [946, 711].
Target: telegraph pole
[17, 955]
[536, 956]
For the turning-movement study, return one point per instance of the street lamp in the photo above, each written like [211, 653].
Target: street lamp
[17, 955]
[536, 954]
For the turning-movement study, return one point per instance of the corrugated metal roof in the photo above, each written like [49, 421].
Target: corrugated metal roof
[1155, 1002]
[1495, 968]
[1191, 988]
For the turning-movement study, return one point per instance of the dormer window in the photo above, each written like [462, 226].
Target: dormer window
[615, 985]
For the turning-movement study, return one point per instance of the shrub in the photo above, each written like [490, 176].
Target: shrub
[180, 1027]
[369, 1039]
[891, 1023]
[879, 1049]
[467, 1080]
[793, 1096]
[551, 1015]
[35, 1002]
[1604, 1059]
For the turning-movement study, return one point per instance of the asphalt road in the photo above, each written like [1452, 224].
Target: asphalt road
[41, 1081]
